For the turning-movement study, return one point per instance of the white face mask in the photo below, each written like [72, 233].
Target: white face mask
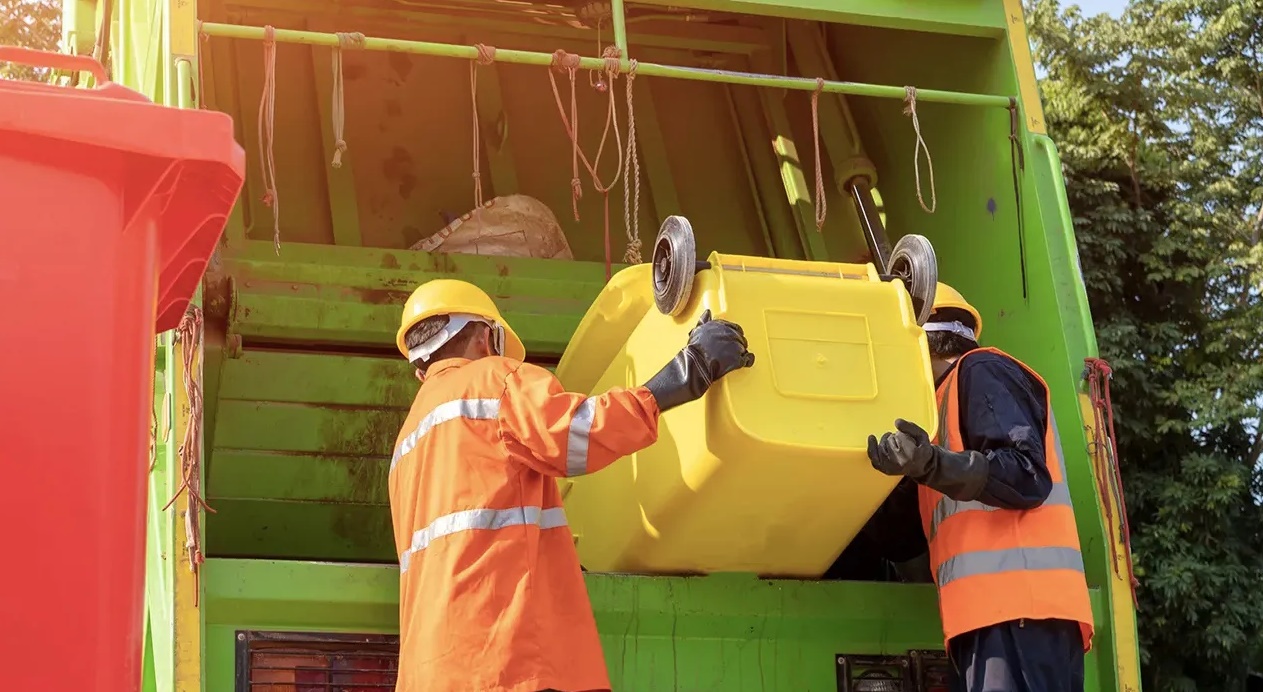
[455, 323]
[954, 327]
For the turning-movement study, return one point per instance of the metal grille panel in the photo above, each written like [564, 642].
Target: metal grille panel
[316, 662]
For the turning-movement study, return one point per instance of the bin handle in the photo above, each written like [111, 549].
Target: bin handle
[57, 61]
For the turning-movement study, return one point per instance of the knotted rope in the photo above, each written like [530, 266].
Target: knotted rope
[570, 63]
[267, 117]
[631, 163]
[1105, 453]
[203, 37]
[821, 204]
[910, 109]
[189, 334]
[345, 40]
[486, 56]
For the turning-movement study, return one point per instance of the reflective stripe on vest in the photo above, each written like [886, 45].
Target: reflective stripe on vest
[488, 409]
[471, 409]
[481, 519]
[1009, 560]
[1058, 495]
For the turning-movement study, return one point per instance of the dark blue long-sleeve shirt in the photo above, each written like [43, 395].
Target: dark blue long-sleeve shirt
[1002, 415]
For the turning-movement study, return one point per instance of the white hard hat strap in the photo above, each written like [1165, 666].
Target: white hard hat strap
[954, 327]
[455, 323]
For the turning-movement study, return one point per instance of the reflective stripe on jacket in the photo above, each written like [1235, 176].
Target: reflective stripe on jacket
[996, 565]
[491, 595]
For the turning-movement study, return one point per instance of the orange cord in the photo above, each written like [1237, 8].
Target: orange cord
[569, 62]
[1098, 375]
[189, 333]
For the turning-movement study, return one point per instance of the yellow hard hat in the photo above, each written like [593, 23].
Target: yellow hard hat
[451, 297]
[947, 297]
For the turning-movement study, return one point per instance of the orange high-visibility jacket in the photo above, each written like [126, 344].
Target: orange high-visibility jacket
[996, 565]
[491, 596]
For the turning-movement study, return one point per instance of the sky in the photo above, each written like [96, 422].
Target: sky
[1091, 7]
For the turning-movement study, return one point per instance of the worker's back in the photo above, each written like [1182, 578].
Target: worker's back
[483, 534]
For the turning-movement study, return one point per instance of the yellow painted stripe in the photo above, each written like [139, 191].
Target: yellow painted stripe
[1122, 612]
[187, 615]
[183, 27]
[1019, 44]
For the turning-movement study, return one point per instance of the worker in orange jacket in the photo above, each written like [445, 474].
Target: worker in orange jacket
[995, 510]
[491, 594]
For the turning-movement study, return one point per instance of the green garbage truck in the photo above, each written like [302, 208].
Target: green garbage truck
[535, 149]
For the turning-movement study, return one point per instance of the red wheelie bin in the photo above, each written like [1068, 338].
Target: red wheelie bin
[110, 207]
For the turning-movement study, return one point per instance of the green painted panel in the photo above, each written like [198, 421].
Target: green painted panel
[330, 321]
[300, 531]
[319, 378]
[298, 477]
[354, 431]
[723, 632]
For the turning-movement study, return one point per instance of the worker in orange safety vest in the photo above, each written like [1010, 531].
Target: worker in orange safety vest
[995, 510]
[492, 598]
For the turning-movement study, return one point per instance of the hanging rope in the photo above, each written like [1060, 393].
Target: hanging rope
[599, 84]
[1018, 158]
[631, 165]
[267, 118]
[189, 334]
[570, 63]
[486, 56]
[910, 109]
[821, 205]
[1105, 445]
[345, 40]
[160, 421]
[203, 37]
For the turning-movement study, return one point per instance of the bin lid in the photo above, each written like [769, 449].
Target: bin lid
[187, 159]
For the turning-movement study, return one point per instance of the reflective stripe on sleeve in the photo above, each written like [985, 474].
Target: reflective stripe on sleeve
[982, 562]
[481, 519]
[577, 440]
[472, 409]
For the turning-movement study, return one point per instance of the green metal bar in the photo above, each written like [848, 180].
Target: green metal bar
[184, 84]
[698, 74]
[620, 27]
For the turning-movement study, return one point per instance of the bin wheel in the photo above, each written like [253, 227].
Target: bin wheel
[674, 263]
[913, 262]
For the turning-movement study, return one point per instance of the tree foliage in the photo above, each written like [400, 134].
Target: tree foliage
[30, 24]
[1159, 118]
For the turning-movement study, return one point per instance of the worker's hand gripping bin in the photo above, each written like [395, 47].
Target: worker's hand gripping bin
[768, 472]
[111, 208]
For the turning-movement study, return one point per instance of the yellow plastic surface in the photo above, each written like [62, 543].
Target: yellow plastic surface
[768, 473]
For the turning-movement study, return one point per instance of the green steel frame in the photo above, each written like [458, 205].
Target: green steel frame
[303, 395]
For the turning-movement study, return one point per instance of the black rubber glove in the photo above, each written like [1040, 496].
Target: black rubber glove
[909, 452]
[715, 348]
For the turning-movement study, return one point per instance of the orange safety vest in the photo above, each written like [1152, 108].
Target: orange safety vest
[995, 565]
[491, 598]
